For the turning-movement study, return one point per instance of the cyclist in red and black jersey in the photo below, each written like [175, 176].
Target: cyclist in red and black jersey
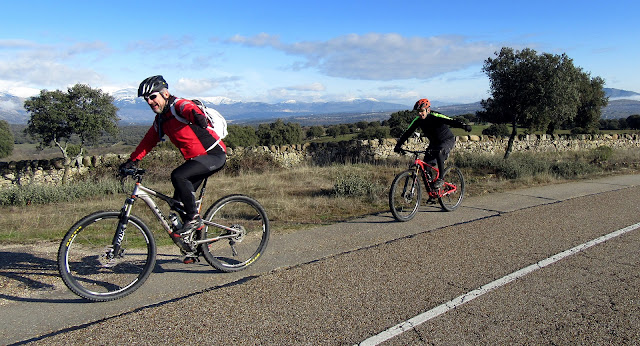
[434, 126]
[200, 146]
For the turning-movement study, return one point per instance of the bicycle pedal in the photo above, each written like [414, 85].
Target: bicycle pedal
[190, 259]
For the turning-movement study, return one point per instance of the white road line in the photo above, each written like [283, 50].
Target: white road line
[452, 304]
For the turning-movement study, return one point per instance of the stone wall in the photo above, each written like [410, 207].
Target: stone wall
[49, 171]
[355, 151]
[369, 151]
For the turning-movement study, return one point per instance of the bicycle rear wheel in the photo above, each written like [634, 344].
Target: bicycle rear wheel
[89, 265]
[246, 216]
[404, 195]
[453, 189]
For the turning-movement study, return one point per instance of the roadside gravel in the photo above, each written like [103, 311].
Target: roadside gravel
[27, 271]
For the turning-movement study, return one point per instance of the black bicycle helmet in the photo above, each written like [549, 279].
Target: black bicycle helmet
[151, 85]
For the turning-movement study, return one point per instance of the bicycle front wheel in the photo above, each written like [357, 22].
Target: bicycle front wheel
[92, 269]
[238, 249]
[453, 189]
[404, 195]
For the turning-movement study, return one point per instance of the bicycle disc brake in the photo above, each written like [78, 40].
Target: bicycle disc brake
[109, 259]
[241, 232]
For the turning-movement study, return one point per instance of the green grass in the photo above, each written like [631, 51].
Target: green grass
[331, 139]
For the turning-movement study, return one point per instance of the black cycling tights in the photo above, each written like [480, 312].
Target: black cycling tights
[188, 177]
[438, 156]
[439, 153]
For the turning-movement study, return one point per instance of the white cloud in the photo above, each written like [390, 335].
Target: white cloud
[308, 87]
[632, 97]
[17, 44]
[46, 73]
[204, 86]
[193, 86]
[313, 91]
[11, 106]
[379, 56]
[24, 92]
[152, 46]
[45, 66]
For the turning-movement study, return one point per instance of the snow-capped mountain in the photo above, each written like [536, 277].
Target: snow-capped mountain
[137, 111]
[126, 95]
[617, 94]
[218, 100]
[12, 109]
[134, 110]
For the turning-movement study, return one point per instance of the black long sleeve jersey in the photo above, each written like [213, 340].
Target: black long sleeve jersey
[435, 127]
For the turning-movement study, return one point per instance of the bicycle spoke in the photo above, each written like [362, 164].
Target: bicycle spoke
[454, 189]
[89, 265]
[404, 195]
[248, 239]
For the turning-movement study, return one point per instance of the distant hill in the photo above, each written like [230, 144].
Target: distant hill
[454, 110]
[621, 94]
[134, 111]
[620, 109]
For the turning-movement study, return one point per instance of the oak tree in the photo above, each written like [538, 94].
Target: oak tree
[81, 111]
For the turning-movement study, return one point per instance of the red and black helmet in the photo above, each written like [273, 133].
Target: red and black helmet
[422, 103]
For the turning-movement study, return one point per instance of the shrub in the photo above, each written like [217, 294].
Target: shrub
[524, 165]
[42, 194]
[571, 169]
[498, 130]
[601, 154]
[251, 162]
[6, 139]
[355, 185]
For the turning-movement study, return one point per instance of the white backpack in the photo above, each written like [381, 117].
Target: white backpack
[216, 121]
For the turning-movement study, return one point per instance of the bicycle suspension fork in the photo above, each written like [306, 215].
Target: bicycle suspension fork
[123, 220]
[410, 185]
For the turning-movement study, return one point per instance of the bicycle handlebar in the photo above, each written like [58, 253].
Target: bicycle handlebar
[418, 152]
[125, 172]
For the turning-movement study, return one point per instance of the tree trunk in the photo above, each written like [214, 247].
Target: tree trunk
[66, 163]
[512, 138]
[65, 174]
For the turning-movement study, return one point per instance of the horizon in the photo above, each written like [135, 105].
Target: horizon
[131, 94]
[287, 51]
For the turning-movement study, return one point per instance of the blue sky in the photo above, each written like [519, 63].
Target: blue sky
[274, 51]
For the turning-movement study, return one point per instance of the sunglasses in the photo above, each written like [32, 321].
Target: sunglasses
[152, 96]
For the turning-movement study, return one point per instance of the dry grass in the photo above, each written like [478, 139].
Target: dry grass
[294, 198]
[304, 196]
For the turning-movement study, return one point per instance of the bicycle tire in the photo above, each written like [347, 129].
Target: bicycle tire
[243, 213]
[84, 263]
[451, 201]
[404, 195]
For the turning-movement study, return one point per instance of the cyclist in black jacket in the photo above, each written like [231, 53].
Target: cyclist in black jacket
[435, 127]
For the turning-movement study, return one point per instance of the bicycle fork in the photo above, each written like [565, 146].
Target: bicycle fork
[123, 220]
[410, 185]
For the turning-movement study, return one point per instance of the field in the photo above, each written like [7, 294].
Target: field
[307, 195]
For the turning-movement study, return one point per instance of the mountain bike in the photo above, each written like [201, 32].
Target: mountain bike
[405, 193]
[109, 254]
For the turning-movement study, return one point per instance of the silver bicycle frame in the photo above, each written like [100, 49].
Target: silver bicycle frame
[145, 193]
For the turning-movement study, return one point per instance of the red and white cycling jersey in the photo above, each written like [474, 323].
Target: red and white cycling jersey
[192, 139]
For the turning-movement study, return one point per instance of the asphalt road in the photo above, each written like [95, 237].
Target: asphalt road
[363, 280]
